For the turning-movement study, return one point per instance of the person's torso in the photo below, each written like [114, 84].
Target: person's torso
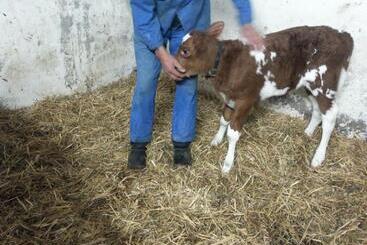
[193, 14]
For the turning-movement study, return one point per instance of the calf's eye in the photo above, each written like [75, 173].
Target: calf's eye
[185, 53]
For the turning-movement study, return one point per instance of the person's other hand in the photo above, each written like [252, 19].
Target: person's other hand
[170, 64]
[252, 37]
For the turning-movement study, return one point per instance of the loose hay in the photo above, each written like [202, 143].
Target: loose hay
[64, 179]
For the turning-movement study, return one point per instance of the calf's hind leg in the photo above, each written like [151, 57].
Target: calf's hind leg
[315, 118]
[238, 118]
[329, 111]
[224, 122]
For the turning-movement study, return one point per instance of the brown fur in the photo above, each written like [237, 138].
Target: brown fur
[309, 57]
[237, 77]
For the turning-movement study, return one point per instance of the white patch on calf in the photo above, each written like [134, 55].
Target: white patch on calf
[322, 71]
[259, 57]
[315, 92]
[233, 137]
[186, 37]
[330, 93]
[270, 88]
[273, 55]
[314, 52]
[310, 77]
[229, 103]
[269, 75]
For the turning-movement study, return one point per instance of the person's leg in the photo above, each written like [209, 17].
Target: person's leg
[184, 108]
[185, 102]
[142, 106]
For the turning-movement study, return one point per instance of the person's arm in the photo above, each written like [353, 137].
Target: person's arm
[146, 25]
[247, 30]
[245, 12]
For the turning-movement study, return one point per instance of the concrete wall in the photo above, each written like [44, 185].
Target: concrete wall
[60, 46]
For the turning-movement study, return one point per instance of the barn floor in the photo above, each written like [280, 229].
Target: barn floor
[64, 179]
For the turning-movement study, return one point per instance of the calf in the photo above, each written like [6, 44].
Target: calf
[314, 58]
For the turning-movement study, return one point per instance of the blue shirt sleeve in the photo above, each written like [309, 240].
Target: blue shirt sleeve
[146, 23]
[244, 9]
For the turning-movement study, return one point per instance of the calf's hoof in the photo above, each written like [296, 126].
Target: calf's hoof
[317, 159]
[227, 166]
[309, 132]
[216, 141]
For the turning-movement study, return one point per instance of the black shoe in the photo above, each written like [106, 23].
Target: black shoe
[181, 153]
[137, 156]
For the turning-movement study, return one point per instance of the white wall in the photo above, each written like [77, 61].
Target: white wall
[348, 15]
[60, 46]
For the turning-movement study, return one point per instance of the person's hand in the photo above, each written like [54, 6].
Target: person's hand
[252, 37]
[170, 64]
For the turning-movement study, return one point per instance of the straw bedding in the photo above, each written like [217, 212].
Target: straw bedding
[64, 179]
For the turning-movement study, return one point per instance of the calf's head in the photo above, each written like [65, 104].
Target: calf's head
[198, 50]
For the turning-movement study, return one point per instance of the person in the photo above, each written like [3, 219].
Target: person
[157, 23]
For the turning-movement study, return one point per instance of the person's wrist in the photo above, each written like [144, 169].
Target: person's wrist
[248, 29]
[160, 52]
[247, 26]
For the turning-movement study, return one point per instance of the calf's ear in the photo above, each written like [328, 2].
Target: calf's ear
[215, 29]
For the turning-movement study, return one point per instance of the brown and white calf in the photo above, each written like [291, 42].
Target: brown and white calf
[314, 58]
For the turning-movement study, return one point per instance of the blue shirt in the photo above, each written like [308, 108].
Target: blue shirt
[153, 18]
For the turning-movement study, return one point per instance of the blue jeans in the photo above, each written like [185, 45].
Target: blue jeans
[143, 102]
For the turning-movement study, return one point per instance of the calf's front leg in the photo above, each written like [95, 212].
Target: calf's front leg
[242, 108]
[233, 137]
[224, 122]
